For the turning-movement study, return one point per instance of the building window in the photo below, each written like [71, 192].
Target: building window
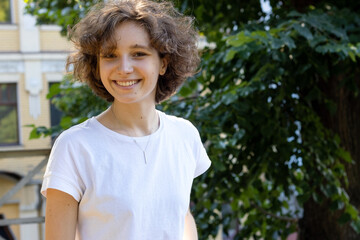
[5, 11]
[55, 113]
[9, 134]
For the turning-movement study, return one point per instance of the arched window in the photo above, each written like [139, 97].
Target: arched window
[5, 11]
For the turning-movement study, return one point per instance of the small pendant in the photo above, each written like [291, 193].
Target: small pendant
[145, 157]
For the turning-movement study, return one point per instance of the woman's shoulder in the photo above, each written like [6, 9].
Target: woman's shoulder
[81, 131]
[182, 124]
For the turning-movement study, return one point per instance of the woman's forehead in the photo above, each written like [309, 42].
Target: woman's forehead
[129, 34]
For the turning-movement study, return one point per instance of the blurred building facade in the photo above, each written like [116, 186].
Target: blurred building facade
[31, 59]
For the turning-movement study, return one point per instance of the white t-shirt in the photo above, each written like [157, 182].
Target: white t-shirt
[120, 196]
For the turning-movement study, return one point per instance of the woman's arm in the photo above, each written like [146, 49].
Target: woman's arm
[61, 215]
[190, 232]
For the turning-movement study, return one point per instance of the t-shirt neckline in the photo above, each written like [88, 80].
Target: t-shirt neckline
[112, 133]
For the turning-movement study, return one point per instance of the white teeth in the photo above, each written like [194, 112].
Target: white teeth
[126, 83]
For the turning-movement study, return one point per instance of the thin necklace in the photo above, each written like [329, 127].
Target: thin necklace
[143, 150]
[136, 143]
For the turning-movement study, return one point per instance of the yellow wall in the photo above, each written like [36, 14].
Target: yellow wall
[53, 41]
[10, 210]
[9, 40]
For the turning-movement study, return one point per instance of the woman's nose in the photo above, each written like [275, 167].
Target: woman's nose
[125, 66]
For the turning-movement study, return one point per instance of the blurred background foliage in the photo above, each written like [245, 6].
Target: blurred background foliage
[277, 105]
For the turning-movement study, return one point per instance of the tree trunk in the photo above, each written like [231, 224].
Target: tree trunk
[319, 222]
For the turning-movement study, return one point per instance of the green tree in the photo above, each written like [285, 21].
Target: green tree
[277, 104]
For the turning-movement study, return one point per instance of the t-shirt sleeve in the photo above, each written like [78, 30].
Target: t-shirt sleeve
[61, 172]
[202, 159]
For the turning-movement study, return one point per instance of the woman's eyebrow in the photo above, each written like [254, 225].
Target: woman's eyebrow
[141, 46]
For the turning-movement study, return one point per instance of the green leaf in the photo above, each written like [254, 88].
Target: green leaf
[303, 31]
[345, 155]
[230, 55]
[352, 211]
[229, 98]
[317, 39]
[34, 134]
[352, 55]
[336, 205]
[344, 218]
[239, 39]
[54, 90]
[316, 197]
[185, 91]
[295, 14]
[276, 43]
[356, 225]
[66, 122]
[288, 41]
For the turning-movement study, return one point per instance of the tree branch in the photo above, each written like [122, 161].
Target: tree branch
[288, 219]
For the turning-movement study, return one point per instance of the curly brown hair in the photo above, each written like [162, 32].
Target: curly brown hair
[172, 34]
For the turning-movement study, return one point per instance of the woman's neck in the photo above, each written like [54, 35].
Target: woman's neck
[133, 120]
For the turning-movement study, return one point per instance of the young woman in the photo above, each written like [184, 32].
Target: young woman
[127, 173]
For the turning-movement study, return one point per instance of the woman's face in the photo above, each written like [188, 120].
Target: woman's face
[131, 72]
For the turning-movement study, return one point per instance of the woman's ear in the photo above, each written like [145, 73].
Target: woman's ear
[163, 67]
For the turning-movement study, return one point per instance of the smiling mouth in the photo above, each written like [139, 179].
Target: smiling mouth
[126, 83]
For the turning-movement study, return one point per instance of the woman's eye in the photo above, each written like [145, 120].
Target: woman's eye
[139, 54]
[109, 55]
